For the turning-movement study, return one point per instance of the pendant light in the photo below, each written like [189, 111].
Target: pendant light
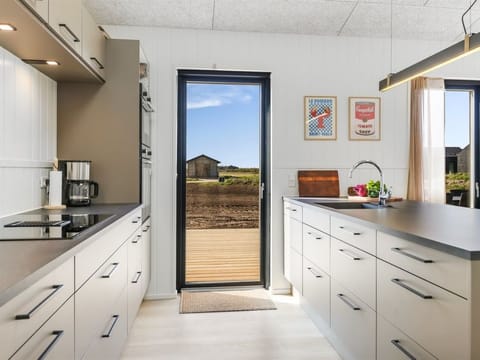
[469, 45]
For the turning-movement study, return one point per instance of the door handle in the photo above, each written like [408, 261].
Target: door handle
[477, 190]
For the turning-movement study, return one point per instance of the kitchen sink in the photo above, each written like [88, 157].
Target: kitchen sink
[353, 205]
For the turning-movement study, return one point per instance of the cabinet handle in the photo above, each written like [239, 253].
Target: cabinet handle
[74, 37]
[146, 228]
[137, 239]
[58, 334]
[99, 64]
[349, 254]
[139, 273]
[28, 315]
[345, 299]
[316, 236]
[114, 322]
[418, 258]
[109, 275]
[412, 290]
[291, 209]
[355, 233]
[317, 275]
[397, 344]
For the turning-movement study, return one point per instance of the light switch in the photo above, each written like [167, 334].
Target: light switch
[292, 182]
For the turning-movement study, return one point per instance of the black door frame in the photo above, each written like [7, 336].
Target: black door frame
[474, 86]
[221, 77]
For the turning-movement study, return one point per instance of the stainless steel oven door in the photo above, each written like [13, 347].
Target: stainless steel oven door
[146, 188]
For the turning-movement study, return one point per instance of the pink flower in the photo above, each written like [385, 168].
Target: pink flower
[361, 190]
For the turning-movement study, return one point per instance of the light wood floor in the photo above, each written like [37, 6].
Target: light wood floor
[222, 255]
[160, 332]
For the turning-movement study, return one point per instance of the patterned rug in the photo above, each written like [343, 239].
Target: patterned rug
[201, 301]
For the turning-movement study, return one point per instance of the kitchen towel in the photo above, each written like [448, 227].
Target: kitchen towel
[55, 188]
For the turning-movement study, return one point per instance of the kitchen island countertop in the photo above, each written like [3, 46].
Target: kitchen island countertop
[452, 229]
[23, 262]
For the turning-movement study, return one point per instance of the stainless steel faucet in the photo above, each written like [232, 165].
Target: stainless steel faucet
[382, 195]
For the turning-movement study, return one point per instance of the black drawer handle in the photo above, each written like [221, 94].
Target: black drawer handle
[146, 228]
[137, 239]
[316, 236]
[347, 301]
[412, 290]
[355, 233]
[58, 334]
[418, 258]
[291, 209]
[349, 254]
[397, 344]
[139, 273]
[114, 322]
[99, 64]
[109, 275]
[28, 315]
[72, 34]
[317, 275]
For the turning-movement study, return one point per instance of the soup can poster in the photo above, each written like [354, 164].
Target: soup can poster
[364, 118]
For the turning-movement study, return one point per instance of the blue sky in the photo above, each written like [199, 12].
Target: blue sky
[223, 123]
[457, 118]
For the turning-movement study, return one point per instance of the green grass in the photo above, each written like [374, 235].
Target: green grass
[457, 181]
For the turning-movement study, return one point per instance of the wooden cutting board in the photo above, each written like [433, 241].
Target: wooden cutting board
[318, 183]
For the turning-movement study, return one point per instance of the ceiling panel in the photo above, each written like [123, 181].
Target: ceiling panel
[196, 14]
[285, 16]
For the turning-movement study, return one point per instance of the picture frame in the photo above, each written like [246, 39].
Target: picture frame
[320, 117]
[364, 118]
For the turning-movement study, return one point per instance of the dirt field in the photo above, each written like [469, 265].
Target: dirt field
[212, 205]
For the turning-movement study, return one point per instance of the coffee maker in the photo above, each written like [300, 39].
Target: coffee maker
[77, 189]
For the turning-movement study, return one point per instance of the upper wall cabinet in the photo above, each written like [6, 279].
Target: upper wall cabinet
[65, 17]
[39, 6]
[93, 44]
[51, 30]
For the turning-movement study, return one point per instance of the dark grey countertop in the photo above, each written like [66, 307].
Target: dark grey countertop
[448, 228]
[23, 262]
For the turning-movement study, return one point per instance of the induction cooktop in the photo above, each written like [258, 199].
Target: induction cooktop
[47, 226]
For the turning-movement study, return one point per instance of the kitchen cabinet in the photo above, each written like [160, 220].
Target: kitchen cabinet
[146, 259]
[93, 43]
[65, 17]
[135, 275]
[21, 317]
[54, 340]
[316, 291]
[293, 247]
[39, 7]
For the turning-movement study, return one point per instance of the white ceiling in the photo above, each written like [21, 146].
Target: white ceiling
[403, 19]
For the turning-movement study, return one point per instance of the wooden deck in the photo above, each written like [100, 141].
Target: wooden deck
[222, 255]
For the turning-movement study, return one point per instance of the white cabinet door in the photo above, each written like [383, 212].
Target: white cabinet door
[354, 325]
[296, 272]
[40, 7]
[316, 247]
[292, 243]
[93, 43]
[65, 17]
[54, 340]
[135, 275]
[146, 263]
[355, 234]
[316, 290]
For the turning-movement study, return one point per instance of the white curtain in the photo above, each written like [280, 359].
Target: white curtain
[427, 139]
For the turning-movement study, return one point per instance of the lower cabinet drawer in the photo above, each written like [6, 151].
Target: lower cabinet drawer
[109, 340]
[54, 340]
[392, 344]
[354, 325]
[316, 247]
[356, 270]
[24, 314]
[296, 270]
[135, 278]
[96, 297]
[316, 290]
[435, 318]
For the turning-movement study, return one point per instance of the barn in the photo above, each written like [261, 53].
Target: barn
[202, 167]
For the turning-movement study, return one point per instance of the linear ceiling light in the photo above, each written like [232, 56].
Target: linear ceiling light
[469, 45]
[7, 27]
[41, 62]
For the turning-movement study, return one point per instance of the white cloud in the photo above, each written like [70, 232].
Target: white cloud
[205, 96]
[200, 104]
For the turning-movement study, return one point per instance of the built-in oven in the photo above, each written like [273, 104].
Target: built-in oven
[146, 110]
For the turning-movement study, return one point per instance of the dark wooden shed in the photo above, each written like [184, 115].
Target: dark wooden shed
[202, 167]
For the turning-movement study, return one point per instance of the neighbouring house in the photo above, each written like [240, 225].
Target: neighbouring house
[202, 167]
[451, 160]
[463, 160]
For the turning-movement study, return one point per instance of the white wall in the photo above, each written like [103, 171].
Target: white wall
[300, 65]
[28, 133]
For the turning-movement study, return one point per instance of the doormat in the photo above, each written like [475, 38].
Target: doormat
[202, 301]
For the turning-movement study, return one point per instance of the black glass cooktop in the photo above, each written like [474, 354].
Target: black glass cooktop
[47, 227]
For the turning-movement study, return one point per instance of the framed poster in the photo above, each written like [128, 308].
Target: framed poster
[364, 118]
[320, 118]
